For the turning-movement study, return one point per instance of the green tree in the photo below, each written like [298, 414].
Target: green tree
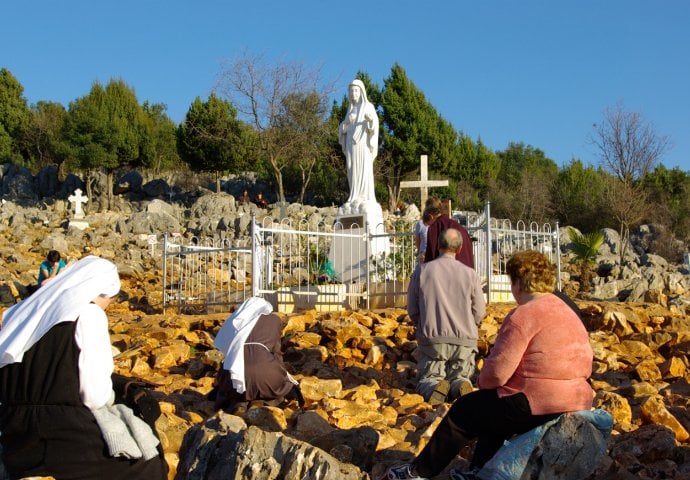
[212, 138]
[410, 127]
[44, 136]
[585, 248]
[476, 168]
[302, 122]
[669, 191]
[108, 129]
[163, 137]
[519, 158]
[577, 196]
[522, 190]
[14, 118]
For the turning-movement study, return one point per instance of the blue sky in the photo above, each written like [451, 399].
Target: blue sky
[534, 71]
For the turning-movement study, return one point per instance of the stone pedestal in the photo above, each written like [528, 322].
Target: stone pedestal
[78, 224]
[349, 254]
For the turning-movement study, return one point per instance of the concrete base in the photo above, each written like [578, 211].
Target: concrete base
[331, 297]
[500, 289]
[78, 224]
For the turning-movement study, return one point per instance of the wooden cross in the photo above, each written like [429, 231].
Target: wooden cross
[424, 183]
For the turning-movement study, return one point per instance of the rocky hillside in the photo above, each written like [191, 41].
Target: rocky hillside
[356, 368]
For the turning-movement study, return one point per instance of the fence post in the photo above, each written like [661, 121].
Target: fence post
[255, 257]
[558, 255]
[368, 238]
[165, 267]
[489, 262]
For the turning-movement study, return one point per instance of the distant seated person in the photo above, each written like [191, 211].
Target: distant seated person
[50, 267]
[260, 200]
[244, 198]
[253, 368]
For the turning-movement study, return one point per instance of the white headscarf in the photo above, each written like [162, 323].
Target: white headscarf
[60, 300]
[361, 109]
[233, 334]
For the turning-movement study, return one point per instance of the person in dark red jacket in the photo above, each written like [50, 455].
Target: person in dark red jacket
[440, 223]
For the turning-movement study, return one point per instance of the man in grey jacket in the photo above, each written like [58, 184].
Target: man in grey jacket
[446, 302]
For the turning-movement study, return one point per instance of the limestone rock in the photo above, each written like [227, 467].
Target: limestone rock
[617, 405]
[170, 355]
[571, 449]
[222, 449]
[315, 389]
[647, 444]
[671, 368]
[311, 424]
[361, 445]
[654, 411]
[271, 419]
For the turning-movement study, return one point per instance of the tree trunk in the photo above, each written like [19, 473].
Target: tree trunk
[61, 171]
[393, 195]
[279, 180]
[625, 236]
[585, 276]
[109, 188]
[89, 189]
[217, 181]
[303, 188]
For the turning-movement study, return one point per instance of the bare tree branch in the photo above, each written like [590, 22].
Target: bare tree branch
[258, 90]
[629, 147]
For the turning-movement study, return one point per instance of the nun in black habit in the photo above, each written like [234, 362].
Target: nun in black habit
[57, 415]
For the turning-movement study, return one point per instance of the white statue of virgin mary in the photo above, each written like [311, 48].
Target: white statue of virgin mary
[359, 137]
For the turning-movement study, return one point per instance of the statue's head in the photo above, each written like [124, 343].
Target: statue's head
[356, 92]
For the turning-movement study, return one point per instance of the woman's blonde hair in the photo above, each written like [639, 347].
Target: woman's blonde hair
[533, 270]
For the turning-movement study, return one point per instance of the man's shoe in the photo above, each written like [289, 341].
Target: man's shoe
[440, 393]
[456, 474]
[403, 472]
[465, 388]
[457, 390]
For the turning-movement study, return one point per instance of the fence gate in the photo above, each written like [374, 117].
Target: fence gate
[201, 275]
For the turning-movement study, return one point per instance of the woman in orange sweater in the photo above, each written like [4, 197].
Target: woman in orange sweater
[537, 369]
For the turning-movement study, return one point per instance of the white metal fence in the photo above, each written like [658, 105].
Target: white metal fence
[495, 240]
[200, 274]
[294, 264]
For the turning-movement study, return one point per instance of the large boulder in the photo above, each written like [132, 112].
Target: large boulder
[156, 188]
[18, 184]
[159, 217]
[223, 447]
[130, 182]
[571, 449]
[69, 185]
[47, 181]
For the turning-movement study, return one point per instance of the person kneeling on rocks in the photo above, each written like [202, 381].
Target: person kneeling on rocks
[253, 368]
[537, 369]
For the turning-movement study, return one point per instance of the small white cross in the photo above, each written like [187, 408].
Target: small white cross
[77, 199]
